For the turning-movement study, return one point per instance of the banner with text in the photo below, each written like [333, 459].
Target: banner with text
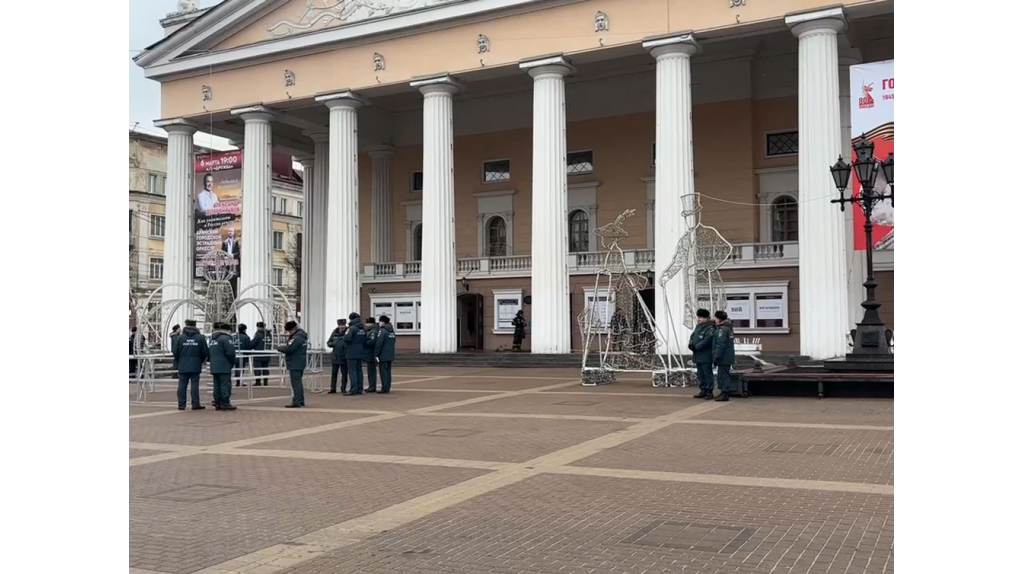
[218, 205]
[872, 103]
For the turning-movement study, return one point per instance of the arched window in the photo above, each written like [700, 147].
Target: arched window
[417, 243]
[784, 219]
[497, 237]
[579, 231]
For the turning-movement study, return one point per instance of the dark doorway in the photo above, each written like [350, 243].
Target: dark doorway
[470, 321]
[647, 296]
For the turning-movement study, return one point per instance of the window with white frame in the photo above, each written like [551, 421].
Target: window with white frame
[507, 302]
[299, 208]
[582, 208]
[153, 183]
[156, 268]
[277, 276]
[278, 240]
[783, 212]
[599, 307]
[416, 181]
[413, 230]
[579, 162]
[778, 197]
[497, 237]
[579, 231]
[495, 216]
[496, 171]
[402, 308]
[758, 307]
[157, 224]
[417, 242]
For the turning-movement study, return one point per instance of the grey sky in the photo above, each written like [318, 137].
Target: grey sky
[143, 94]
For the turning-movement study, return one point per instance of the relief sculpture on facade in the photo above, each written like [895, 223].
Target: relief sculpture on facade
[320, 14]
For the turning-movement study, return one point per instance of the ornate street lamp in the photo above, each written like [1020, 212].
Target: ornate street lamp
[870, 340]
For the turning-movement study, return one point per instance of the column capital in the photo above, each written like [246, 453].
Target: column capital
[818, 20]
[305, 160]
[382, 152]
[677, 43]
[257, 113]
[548, 64]
[342, 99]
[436, 83]
[318, 137]
[176, 126]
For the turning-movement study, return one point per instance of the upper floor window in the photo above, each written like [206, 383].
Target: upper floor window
[497, 237]
[782, 143]
[277, 276]
[579, 231]
[784, 211]
[417, 243]
[156, 225]
[156, 268]
[579, 162]
[299, 208]
[497, 171]
[278, 240]
[416, 181]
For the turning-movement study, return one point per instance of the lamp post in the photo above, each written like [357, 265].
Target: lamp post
[870, 340]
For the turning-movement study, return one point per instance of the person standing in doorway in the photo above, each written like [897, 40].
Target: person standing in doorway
[724, 354]
[355, 350]
[336, 341]
[190, 352]
[260, 363]
[519, 331]
[702, 341]
[222, 361]
[295, 359]
[371, 358]
[384, 353]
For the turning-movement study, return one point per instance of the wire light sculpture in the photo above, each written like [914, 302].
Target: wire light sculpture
[699, 255]
[621, 329]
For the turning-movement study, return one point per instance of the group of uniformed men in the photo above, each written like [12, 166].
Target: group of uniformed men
[353, 344]
[713, 345]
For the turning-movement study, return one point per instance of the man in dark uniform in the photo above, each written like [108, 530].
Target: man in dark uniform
[355, 350]
[242, 343]
[724, 354]
[702, 342]
[222, 361]
[336, 341]
[519, 331]
[260, 363]
[371, 357]
[384, 352]
[295, 359]
[190, 352]
[175, 333]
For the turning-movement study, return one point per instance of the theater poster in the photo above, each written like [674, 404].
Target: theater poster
[872, 90]
[218, 206]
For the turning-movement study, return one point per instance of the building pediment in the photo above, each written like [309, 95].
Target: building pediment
[236, 31]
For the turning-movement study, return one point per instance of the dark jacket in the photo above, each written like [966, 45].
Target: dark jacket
[295, 351]
[372, 330]
[336, 341]
[384, 347]
[222, 353]
[258, 343]
[355, 340]
[244, 342]
[725, 344]
[191, 351]
[702, 343]
[519, 324]
[174, 339]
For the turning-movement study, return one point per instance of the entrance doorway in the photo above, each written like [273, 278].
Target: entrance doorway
[470, 321]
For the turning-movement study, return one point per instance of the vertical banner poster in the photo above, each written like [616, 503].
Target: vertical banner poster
[218, 205]
[872, 114]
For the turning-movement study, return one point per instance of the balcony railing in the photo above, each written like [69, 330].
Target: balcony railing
[744, 256]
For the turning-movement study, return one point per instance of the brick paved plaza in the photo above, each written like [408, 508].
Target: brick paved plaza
[507, 471]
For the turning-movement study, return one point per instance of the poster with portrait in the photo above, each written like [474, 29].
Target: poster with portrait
[873, 114]
[218, 207]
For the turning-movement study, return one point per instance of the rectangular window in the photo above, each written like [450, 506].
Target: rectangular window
[507, 302]
[278, 276]
[156, 225]
[156, 268]
[300, 208]
[778, 144]
[152, 183]
[599, 307]
[579, 162]
[497, 171]
[279, 240]
[416, 181]
[284, 206]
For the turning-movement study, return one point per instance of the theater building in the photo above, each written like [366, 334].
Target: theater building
[459, 154]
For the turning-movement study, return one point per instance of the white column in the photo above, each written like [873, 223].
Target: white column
[824, 314]
[179, 230]
[549, 285]
[380, 206]
[437, 279]
[255, 242]
[857, 267]
[316, 213]
[341, 269]
[673, 172]
[309, 315]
